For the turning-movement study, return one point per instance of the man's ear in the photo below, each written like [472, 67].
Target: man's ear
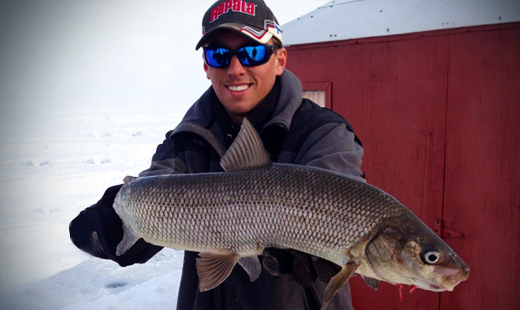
[280, 61]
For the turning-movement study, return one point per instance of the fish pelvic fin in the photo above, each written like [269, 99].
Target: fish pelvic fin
[373, 283]
[213, 269]
[246, 152]
[337, 282]
[251, 265]
[129, 239]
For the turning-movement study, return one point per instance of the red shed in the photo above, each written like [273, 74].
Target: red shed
[432, 88]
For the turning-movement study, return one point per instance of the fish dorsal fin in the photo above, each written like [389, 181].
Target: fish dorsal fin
[213, 269]
[337, 282]
[251, 265]
[246, 152]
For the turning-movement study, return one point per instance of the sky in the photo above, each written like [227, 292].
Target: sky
[58, 55]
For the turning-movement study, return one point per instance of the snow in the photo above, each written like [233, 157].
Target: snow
[98, 284]
[88, 89]
[350, 19]
[45, 182]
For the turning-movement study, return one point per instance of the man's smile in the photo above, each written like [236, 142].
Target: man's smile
[238, 88]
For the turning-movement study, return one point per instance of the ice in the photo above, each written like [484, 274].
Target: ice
[101, 284]
[46, 181]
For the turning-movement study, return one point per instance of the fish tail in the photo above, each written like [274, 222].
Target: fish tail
[129, 239]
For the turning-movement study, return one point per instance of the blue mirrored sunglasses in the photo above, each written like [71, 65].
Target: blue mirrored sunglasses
[248, 56]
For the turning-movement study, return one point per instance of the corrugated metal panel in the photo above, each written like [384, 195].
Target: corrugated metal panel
[439, 117]
[344, 20]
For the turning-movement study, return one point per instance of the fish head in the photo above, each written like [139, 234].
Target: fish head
[408, 252]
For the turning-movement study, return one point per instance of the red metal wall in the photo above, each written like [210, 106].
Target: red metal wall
[439, 116]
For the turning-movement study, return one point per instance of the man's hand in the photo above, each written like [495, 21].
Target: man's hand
[98, 230]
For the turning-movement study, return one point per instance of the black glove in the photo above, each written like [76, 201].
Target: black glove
[304, 267]
[98, 230]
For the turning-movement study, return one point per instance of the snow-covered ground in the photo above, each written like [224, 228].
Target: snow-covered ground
[46, 181]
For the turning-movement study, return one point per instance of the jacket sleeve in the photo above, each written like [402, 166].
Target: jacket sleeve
[166, 160]
[333, 147]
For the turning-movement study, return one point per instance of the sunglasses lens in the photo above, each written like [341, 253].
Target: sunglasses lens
[252, 55]
[217, 57]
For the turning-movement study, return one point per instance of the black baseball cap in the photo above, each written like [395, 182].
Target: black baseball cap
[252, 18]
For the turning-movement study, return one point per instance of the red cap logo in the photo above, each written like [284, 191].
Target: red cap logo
[235, 6]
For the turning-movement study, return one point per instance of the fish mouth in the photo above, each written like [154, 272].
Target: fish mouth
[437, 288]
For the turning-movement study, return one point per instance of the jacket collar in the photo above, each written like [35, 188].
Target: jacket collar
[200, 118]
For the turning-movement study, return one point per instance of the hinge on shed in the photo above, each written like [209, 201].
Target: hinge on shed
[445, 232]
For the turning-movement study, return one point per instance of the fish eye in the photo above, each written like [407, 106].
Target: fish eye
[431, 257]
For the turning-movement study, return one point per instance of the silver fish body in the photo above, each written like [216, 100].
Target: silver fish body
[283, 206]
[233, 216]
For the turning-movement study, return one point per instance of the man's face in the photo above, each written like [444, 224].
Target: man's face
[240, 88]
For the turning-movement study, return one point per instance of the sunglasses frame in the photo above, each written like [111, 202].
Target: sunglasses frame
[269, 50]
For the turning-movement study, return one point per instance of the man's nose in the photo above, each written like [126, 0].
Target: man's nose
[235, 67]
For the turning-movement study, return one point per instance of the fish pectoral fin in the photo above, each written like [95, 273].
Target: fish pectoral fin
[129, 239]
[251, 265]
[213, 269]
[373, 283]
[337, 282]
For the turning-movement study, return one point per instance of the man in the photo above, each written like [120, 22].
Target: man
[245, 60]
